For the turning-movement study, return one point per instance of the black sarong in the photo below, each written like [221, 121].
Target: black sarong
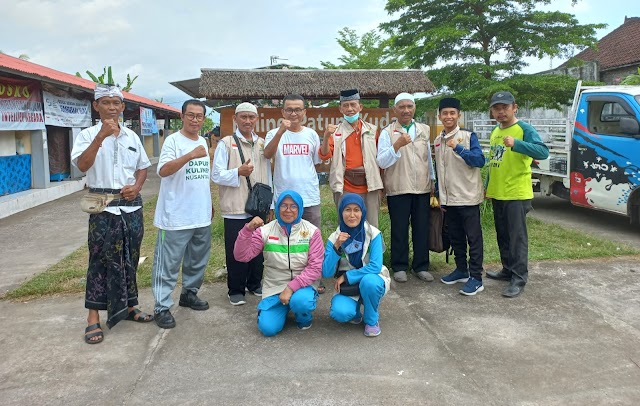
[114, 250]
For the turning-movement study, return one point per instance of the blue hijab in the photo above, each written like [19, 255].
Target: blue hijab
[297, 199]
[357, 233]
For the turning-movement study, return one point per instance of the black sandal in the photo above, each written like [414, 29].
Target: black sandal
[142, 318]
[88, 337]
[321, 288]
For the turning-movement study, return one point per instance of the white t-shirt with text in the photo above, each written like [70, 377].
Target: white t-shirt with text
[295, 161]
[184, 201]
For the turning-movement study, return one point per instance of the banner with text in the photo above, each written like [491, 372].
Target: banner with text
[20, 105]
[316, 118]
[66, 111]
[148, 123]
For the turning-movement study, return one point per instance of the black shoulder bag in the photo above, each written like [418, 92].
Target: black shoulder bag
[260, 195]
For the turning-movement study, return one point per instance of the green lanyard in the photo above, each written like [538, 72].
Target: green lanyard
[407, 127]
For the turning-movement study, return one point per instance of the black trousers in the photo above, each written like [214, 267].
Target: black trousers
[464, 227]
[240, 275]
[402, 209]
[510, 218]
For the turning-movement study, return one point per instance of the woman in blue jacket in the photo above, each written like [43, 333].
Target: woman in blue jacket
[353, 255]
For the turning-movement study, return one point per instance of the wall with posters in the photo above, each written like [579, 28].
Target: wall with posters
[20, 105]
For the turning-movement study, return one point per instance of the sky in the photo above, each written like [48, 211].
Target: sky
[166, 40]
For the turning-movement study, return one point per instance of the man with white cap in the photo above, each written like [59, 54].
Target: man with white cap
[352, 148]
[230, 173]
[116, 165]
[405, 155]
[183, 216]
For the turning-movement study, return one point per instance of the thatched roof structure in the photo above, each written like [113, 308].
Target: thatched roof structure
[251, 84]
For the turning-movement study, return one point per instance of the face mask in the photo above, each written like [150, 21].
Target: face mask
[352, 119]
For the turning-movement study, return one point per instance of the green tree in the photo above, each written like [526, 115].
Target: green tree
[107, 78]
[632, 79]
[370, 51]
[24, 57]
[484, 43]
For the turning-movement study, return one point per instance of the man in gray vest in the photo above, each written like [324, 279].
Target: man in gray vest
[405, 155]
[458, 162]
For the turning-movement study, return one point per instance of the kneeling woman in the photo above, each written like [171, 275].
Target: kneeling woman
[354, 254]
[293, 253]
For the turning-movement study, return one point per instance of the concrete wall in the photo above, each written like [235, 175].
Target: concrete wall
[615, 76]
[588, 71]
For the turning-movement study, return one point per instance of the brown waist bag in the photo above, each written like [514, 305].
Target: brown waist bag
[356, 176]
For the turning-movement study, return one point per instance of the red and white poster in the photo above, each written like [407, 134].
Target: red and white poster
[20, 105]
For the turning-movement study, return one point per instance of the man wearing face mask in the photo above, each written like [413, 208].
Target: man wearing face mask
[352, 148]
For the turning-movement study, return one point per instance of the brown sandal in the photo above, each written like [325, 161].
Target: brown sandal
[88, 336]
[142, 318]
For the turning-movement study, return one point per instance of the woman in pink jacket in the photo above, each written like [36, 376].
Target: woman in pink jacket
[293, 254]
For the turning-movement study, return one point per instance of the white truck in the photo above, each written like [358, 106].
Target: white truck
[594, 154]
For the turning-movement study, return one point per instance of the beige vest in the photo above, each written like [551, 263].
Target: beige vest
[369, 154]
[233, 199]
[284, 257]
[459, 184]
[412, 172]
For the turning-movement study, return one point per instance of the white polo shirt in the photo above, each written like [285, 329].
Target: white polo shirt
[117, 160]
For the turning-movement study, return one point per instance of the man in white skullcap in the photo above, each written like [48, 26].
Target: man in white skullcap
[116, 165]
[183, 216]
[230, 173]
[405, 155]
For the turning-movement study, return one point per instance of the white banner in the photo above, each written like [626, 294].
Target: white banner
[66, 111]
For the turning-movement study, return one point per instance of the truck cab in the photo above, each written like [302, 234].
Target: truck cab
[604, 159]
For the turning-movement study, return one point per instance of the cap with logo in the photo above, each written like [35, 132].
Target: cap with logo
[502, 98]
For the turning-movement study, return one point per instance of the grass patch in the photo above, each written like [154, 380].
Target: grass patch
[546, 242]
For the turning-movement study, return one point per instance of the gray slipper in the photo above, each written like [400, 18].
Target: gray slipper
[425, 276]
[400, 276]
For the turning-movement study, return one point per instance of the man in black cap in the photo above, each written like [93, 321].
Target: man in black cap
[458, 162]
[352, 148]
[514, 145]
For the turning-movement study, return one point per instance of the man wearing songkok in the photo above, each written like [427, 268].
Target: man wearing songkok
[183, 216]
[514, 144]
[230, 174]
[116, 165]
[405, 155]
[352, 148]
[458, 162]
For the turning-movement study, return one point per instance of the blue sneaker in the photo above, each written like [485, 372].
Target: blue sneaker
[305, 326]
[472, 287]
[357, 319]
[454, 277]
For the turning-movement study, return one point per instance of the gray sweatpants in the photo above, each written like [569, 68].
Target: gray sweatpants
[191, 248]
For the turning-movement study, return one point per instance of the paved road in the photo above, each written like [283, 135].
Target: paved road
[607, 225]
[24, 252]
[570, 339]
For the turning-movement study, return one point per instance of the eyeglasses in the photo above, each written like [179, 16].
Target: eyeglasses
[191, 116]
[292, 207]
[291, 111]
[115, 103]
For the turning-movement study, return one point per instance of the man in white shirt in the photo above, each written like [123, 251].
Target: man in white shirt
[115, 162]
[230, 172]
[294, 149]
[183, 216]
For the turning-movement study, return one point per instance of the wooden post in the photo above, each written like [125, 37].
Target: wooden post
[384, 101]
